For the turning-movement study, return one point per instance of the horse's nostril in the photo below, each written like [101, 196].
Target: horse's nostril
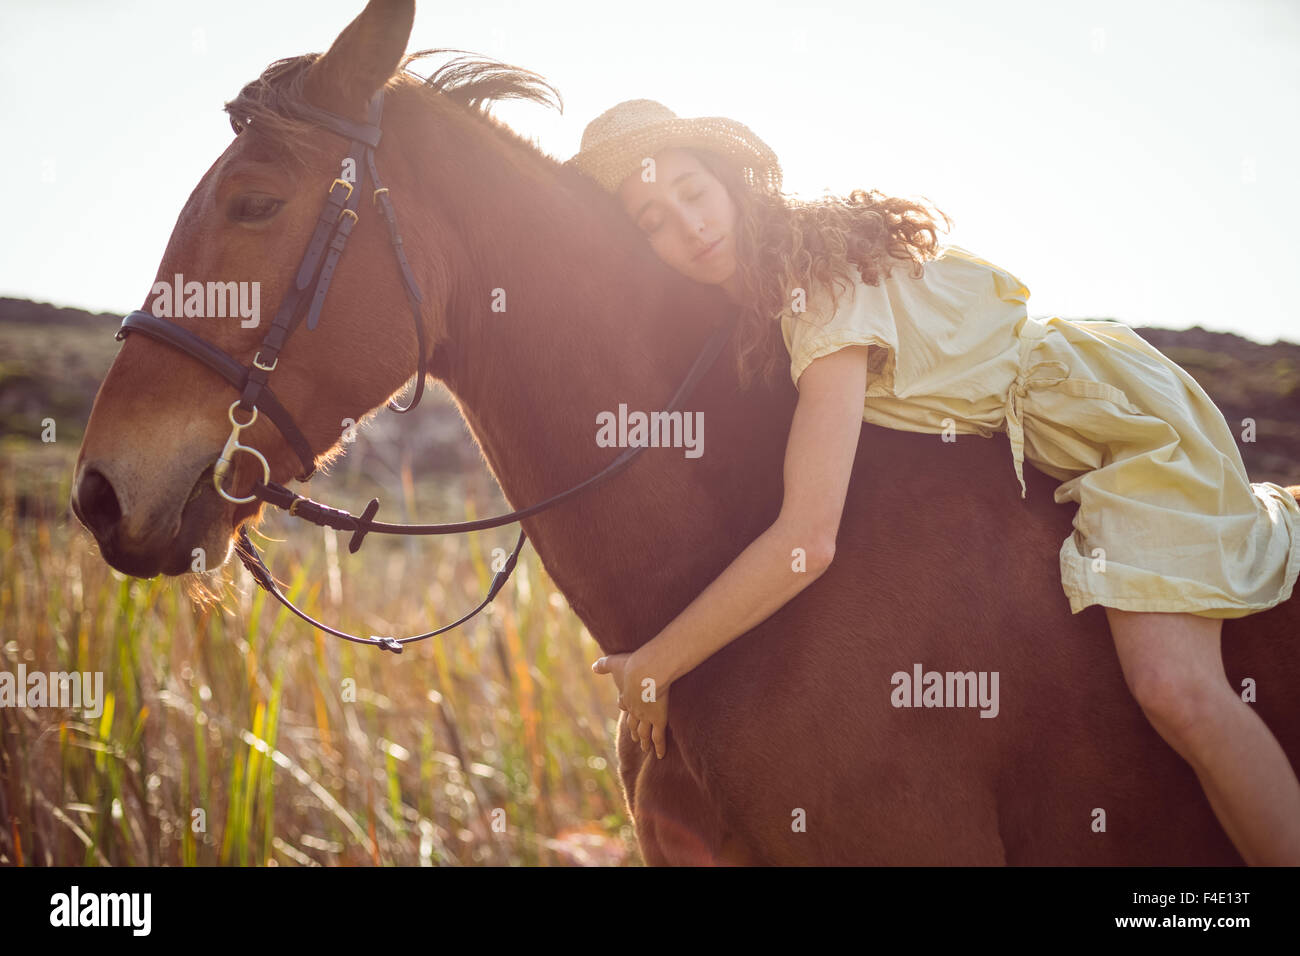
[95, 503]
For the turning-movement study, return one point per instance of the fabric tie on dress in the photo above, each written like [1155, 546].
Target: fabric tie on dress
[1024, 381]
[1032, 332]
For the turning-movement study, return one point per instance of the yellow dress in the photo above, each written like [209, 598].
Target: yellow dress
[1167, 520]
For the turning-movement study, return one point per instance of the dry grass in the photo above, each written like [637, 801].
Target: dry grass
[226, 737]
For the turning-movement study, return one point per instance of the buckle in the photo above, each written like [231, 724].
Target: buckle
[257, 360]
[341, 182]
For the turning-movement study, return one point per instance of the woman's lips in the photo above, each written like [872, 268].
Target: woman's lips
[709, 251]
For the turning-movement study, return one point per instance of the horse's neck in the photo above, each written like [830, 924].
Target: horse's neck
[574, 341]
[532, 405]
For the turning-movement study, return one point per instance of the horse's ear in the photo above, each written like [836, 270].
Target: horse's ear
[363, 58]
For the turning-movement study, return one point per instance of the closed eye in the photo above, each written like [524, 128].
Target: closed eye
[651, 226]
[253, 208]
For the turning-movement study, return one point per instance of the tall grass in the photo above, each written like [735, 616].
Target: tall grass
[234, 734]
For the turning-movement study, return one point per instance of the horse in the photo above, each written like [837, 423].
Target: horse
[544, 307]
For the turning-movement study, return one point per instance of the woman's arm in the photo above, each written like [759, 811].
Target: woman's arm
[818, 461]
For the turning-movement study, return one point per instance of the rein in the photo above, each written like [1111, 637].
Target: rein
[305, 298]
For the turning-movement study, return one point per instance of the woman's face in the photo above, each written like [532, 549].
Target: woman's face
[688, 216]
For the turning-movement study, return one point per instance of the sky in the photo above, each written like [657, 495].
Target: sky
[1121, 160]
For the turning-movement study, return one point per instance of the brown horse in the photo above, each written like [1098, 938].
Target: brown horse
[784, 747]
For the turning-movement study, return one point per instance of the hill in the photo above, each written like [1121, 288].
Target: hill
[54, 359]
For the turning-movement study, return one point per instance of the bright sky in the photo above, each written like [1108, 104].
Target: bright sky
[1133, 159]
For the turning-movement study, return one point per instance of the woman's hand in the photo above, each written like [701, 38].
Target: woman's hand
[645, 700]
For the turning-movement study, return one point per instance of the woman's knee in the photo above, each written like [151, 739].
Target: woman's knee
[1176, 702]
[1176, 678]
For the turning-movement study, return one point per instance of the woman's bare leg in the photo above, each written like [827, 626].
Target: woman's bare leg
[1173, 664]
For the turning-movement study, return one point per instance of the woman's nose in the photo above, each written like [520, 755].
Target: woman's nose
[696, 227]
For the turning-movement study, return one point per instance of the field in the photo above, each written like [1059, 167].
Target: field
[233, 733]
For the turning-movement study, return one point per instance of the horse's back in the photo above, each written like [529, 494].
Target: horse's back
[796, 746]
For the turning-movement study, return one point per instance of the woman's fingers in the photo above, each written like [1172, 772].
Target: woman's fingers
[610, 664]
[648, 734]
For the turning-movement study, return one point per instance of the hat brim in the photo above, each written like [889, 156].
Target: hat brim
[610, 162]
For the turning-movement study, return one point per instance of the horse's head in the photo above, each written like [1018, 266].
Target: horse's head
[143, 483]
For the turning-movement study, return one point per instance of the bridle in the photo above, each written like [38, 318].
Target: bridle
[304, 299]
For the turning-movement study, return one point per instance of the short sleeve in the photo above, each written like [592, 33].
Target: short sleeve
[864, 317]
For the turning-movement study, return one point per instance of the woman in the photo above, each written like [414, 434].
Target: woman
[947, 346]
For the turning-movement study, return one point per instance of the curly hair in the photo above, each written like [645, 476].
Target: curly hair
[784, 244]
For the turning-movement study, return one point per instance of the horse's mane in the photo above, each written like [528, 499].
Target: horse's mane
[470, 82]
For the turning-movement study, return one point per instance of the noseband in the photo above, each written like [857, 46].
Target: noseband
[304, 299]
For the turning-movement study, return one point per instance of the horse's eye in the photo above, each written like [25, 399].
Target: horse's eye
[254, 208]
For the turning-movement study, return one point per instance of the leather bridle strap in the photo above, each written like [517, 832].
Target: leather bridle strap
[368, 136]
[306, 296]
[179, 337]
[413, 295]
[360, 526]
[251, 560]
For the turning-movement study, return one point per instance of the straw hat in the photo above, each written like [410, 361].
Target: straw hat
[615, 143]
